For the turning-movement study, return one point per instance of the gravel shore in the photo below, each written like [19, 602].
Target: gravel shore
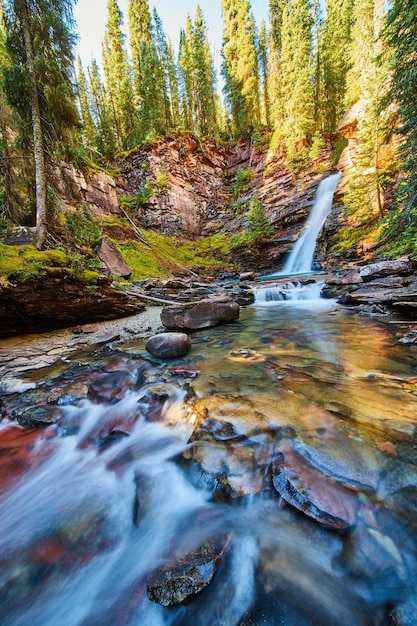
[28, 352]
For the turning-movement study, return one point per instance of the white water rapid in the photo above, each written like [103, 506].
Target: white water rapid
[301, 256]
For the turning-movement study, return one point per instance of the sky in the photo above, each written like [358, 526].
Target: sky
[91, 16]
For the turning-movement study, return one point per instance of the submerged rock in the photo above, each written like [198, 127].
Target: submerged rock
[215, 430]
[173, 583]
[168, 345]
[37, 416]
[308, 490]
[203, 314]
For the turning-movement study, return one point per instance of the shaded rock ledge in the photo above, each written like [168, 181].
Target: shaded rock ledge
[383, 288]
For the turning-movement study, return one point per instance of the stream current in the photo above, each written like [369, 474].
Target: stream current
[117, 487]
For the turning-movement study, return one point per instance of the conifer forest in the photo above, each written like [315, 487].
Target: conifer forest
[286, 86]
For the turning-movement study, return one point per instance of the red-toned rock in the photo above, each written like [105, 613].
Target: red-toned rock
[309, 491]
[203, 314]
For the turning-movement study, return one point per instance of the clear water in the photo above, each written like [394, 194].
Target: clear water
[73, 551]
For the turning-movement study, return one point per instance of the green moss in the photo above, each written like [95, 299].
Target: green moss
[348, 238]
[167, 255]
[338, 148]
[113, 221]
[18, 264]
[162, 180]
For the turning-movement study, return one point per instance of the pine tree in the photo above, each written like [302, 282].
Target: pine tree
[89, 128]
[335, 43]
[401, 36]
[162, 52]
[264, 73]
[102, 114]
[9, 207]
[240, 65]
[173, 86]
[204, 78]
[186, 68]
[153, 109]
[274, 74]
[140, 30]
[297, 89]
[118, 79]
[40, 40]
[367, 81]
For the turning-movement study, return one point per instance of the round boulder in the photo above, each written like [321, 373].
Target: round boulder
[168, 345]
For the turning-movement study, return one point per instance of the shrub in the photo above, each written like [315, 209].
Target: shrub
[258, 219]
[243, 176]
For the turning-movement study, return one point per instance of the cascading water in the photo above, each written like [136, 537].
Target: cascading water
[293, 293]
[300, 259]
[301, 256]
[145, 465]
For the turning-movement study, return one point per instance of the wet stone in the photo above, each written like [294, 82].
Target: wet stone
[168, 345]
[67, 395]
[346, 465]
[368, 552]
[173, 583]
[37, 416]
[217, 430]
[110, 387]
[184, 371]
[114, 436]
[309, 491]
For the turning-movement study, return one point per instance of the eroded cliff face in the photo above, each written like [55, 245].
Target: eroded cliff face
[185, 189]
[197, 197]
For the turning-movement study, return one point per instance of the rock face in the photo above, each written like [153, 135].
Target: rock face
[168, 345]
[74, 188]
[54, 303]
[203, 314]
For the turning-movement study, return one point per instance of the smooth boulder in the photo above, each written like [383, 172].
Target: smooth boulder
[168, 345]
[203, 314]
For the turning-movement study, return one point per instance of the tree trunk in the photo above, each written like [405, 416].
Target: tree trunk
[38, 143]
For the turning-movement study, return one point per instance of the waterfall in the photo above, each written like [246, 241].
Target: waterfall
[301, 256]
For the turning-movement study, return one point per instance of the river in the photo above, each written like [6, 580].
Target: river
[118, 485]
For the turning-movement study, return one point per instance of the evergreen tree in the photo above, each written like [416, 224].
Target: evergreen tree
[240, 65]
[276, 8]
[140, 31]
[367, 81]
[297, 89]
[153, 109]
[38, 82]
[89, 128]
[204, 78]
[186, 68]
[173, 86]
[264, 73]
[401, 36]
[335, 43]
[9, 207]
[162, 52]
[102, 114]
[118, 79]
